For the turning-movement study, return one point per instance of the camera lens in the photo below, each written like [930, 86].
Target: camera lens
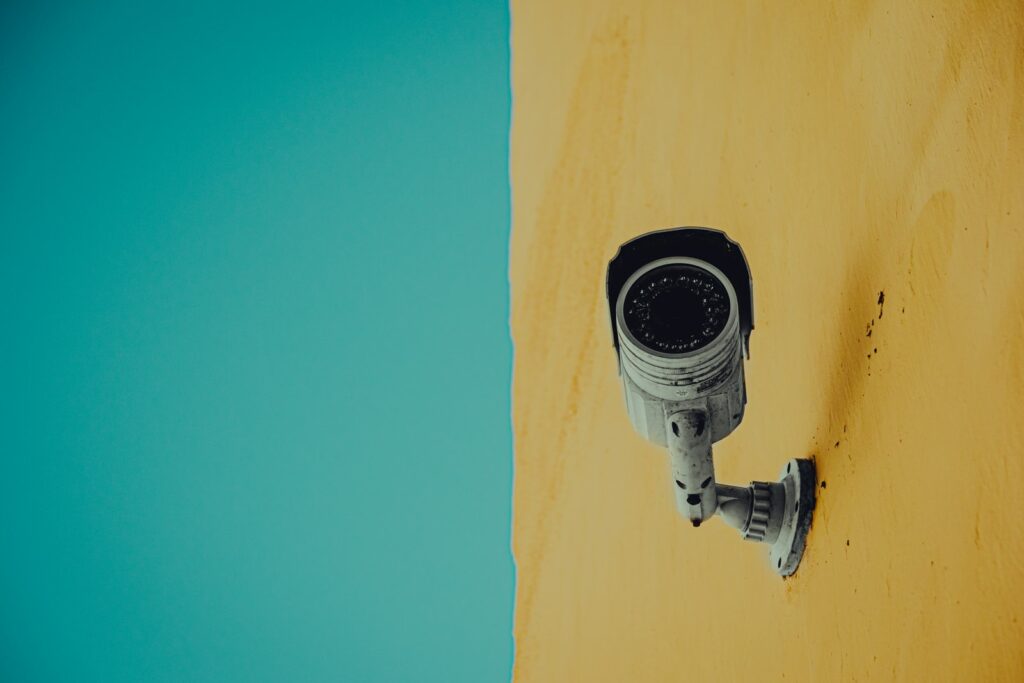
[676, 308]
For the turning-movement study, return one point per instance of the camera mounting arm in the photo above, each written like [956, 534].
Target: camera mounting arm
[689, 450]
[766, 512]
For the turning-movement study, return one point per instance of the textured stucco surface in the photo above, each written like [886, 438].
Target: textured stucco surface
[852, 149]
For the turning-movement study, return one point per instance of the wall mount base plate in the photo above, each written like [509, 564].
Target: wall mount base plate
[799, 477]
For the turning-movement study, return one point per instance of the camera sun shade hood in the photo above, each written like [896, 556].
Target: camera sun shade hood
[702, 243]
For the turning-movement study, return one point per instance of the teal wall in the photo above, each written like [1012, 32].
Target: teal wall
[256, 362]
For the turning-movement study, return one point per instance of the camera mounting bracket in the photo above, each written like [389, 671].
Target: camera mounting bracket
[776, 513]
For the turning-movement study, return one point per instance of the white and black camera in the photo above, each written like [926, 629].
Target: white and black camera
[681, 305]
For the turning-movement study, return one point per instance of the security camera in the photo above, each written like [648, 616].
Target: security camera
[681, 305]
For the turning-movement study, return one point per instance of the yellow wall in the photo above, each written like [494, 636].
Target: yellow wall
[851, 148]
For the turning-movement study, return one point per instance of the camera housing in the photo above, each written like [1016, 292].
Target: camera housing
[681, 309]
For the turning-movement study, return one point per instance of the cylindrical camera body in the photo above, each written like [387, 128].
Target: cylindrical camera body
[680, 346]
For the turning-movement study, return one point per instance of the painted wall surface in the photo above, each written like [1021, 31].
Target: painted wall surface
[852, 149]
